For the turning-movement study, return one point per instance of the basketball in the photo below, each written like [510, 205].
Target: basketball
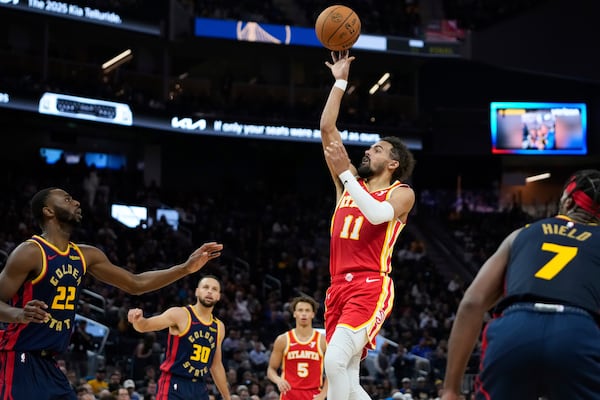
[337, 27]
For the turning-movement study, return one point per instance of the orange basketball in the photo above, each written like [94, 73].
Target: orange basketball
[337, 27]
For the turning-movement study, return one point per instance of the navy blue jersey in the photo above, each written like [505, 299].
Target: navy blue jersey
[58, 286]
[556, 260]
[190, 354]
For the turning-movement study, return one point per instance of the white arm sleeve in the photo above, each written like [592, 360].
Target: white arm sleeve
[374, 210]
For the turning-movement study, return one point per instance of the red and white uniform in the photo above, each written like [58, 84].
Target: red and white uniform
[361, 292]
[302, 367]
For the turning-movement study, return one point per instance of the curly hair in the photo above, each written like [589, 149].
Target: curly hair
[401, 153]
[584, 188]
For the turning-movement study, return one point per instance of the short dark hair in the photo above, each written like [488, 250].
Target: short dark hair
[37, 204]
[216, 278]
[304, 299]
[401, 153]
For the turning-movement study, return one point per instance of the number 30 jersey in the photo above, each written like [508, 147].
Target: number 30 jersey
[58, 286]
[190, 354]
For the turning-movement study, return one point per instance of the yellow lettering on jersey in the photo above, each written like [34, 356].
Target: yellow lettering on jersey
[347, 201]
[63, 271]
[564, 230]
[59, 325]
[305, 354]
[202, 335]
[196, 372]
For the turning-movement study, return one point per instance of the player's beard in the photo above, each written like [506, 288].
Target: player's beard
[207, 303]
[364, 170]
[66, 218]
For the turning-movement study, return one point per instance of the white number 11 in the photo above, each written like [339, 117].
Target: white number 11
[349, 220]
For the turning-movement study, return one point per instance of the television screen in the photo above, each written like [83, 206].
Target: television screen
[171, 216]
[128, 215]
[538, 128]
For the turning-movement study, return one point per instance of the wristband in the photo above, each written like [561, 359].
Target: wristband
[341, 84]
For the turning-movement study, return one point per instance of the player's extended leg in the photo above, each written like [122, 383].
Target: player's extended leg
[357, 392]
[341, 367]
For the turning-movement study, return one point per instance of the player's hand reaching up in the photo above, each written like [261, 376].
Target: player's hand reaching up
[340, 69]
[208, 251]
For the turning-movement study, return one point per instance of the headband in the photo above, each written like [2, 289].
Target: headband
[583, 200]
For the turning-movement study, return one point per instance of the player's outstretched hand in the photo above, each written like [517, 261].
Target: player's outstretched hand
[340, 68]
[202, 255]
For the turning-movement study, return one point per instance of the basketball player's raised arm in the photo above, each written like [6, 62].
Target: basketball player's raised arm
[172, 318]
[100, 267]
[340, 69]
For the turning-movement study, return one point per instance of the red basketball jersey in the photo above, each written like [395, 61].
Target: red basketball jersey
[302, 363]
[356, 244]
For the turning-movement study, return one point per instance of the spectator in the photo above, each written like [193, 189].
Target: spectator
[114, 381]
[382, 362]
[81, 342]
[231, 343]
[99, 383]
[123, 394]
[150, 375]
[243, 392]
[421, 390]
[406, 385]
[146, 353]
[403, 364]
[259, 358]
[129, 384]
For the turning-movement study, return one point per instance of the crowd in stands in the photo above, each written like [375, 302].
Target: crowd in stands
[276, 247]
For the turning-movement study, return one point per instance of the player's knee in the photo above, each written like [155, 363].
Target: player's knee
[336, 361]
[334, 366]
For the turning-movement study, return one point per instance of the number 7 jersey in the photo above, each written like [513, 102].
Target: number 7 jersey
[356, 244]
[556, 260]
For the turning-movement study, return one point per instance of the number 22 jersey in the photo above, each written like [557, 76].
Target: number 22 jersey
[58, 286]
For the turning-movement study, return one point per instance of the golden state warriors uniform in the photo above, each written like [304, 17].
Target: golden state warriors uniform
[302, 367]
[545, 334]
[27, 367]
[361, 292]
[188, 359]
